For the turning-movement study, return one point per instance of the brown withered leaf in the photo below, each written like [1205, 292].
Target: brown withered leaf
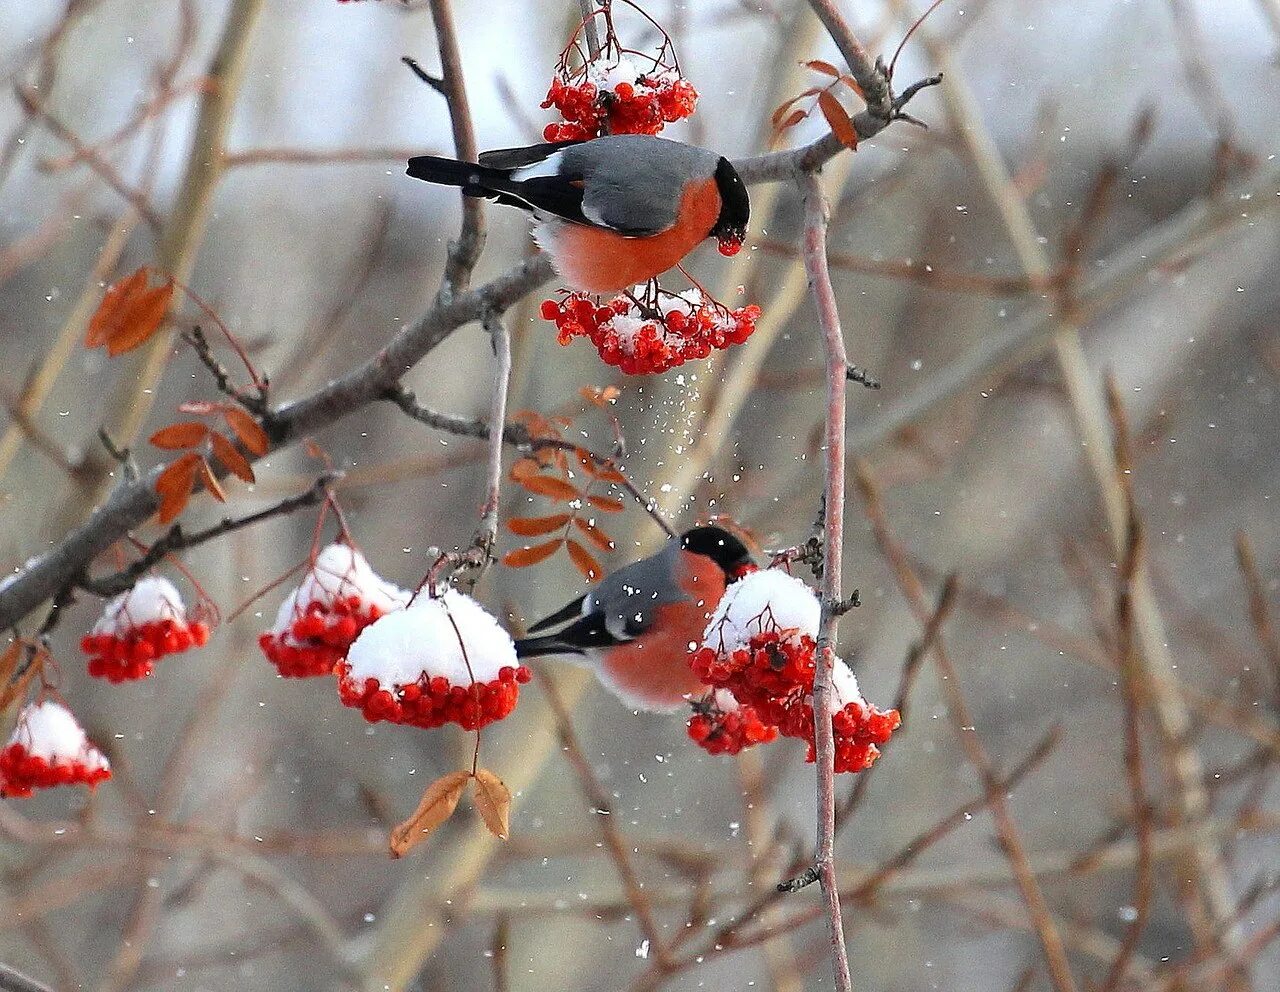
[524, 557]
[792, 119]
[493, 803]
[852, 83]
[826, 68]
[537, 526]
[129, 314]
[9, 661]
[175, 437]
[838, 119]
[436, 806]
[522, 468]
[782, 108]
[174, 485]
[211, 482]
[584, 560]
[606, 503]
[13, 689]
[550, 486]
[598, 537]
[230, 456]
[248, 430]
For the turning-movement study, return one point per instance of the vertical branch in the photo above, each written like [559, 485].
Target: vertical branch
[464, 252]
[501, 340]
[815, 261]
[589, 26]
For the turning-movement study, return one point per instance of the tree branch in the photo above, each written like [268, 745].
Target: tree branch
[837, 364]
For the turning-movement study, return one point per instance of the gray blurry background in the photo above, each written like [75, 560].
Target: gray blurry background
[282, 803]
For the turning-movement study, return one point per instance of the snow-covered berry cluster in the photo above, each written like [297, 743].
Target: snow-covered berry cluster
[139, 627]
[49, 748]
[648, 339]
[759, 647]
[441, 660]
[613, 96]
[722, 725]
[319, 620]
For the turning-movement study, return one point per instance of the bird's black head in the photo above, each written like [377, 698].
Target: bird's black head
[735, 209]
[720, 546]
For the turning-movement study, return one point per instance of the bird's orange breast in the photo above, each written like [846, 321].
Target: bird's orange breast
[598, 260]
[653, 671]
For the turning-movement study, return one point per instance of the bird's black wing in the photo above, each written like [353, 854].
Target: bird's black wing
[519, 158]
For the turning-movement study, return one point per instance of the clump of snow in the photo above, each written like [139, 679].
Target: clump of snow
[340, 571]
[845, 684]
[49, 730]
[768, 599]
[607, 76]
[433, 637]
[152, 599]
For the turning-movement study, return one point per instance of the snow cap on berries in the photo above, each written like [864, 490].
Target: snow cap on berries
[440, 636]
[441, 660]
[137, 628]
[153, 598]
[767, 599]
[320, 619]
[49, 747]
[340, 570]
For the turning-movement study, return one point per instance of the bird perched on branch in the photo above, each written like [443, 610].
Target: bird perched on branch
[612, 212]
[635, 629]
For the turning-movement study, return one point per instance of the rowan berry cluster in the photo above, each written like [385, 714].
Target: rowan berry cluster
[643, 339]
[614, 97]
[722, 725]
[440, 660]
[759, 650]
[319, 620]
[138, 628]
[48, 748]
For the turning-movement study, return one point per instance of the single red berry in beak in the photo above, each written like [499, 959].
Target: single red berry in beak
[730, 246]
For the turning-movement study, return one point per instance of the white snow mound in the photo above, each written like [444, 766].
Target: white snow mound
[49, 730]
[608, 76]
[845, 684]
[152, 598]
[765, 600]
[341, 571]
[433, 637]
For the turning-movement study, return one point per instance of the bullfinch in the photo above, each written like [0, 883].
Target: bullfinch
[612, 212]
[637, 626]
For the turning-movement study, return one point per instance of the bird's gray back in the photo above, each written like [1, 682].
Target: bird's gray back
[628, 597]
[632, 182]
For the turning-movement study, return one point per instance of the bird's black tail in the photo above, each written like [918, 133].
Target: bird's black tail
[536, 647]
[475, 180]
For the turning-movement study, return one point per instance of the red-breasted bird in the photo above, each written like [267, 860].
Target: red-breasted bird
[611, 212]
[636, 628]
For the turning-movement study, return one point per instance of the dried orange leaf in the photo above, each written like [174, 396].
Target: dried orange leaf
[838, 119]
[230, 456]
[537, 526]
[549, 485]
[583, 559]
[792, 119]
[826, 68]
[598, 537]
[523, 468]
[129, 314]
[248, 430]
[17, 688]
[174, 486]
[607, 473]
[852, 83]
[178, 474]
[524, 557]
[493, 803]
[436, 806]
[606, 503]
[211, 482]
[175, 437]
[9, 661]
